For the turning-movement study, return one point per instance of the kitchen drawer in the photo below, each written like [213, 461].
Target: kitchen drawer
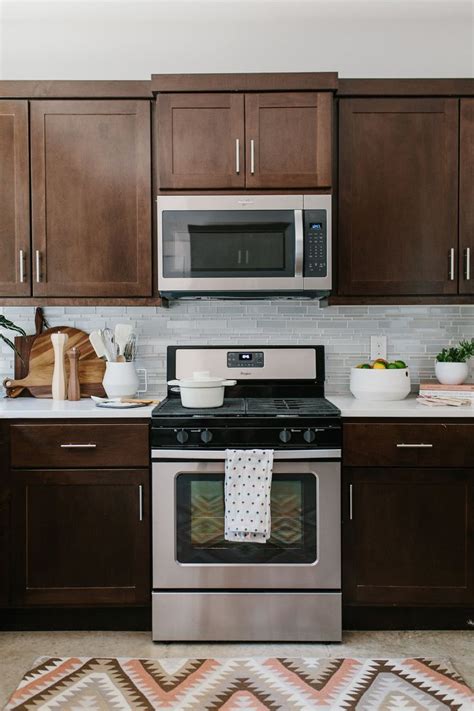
[407, 444]
[80, 445]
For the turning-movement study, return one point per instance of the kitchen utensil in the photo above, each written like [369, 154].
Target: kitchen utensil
[120, 380]
[110, 345]
[73, 388]
[123, 331]
[40, 366]
[384, 384]
[130, 349]
[58, 385]
[202, 390]
[95, 337]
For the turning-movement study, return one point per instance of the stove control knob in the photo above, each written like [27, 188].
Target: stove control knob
[309, 436]
[182, 436]
[285, 436]
[206, 436]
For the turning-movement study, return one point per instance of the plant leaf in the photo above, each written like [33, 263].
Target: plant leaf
[12, 346]
[5, 323]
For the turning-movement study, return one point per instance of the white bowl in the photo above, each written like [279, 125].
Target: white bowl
[380, 384]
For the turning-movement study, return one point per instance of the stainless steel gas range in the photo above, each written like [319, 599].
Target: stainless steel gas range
[288, 589]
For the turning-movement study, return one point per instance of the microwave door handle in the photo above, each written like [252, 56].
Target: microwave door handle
[299, 243]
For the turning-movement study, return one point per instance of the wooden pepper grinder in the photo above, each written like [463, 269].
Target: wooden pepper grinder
[74, 387]
[58, 386]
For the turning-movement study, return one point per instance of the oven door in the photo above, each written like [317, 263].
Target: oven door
[189, 550]
[230, 243]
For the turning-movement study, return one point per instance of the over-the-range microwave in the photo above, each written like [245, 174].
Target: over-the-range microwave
[232, 246]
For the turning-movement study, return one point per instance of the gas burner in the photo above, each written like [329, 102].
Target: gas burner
[233, 406]
[291, 407]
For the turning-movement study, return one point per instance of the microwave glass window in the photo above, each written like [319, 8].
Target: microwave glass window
[200, 522]
[228, 243]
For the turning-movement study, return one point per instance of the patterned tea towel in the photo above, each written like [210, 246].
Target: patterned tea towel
[248, 481]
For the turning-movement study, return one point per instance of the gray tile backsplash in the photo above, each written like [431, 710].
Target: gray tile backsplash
[415, 333]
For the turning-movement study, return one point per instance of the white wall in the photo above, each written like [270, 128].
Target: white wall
[121, 39]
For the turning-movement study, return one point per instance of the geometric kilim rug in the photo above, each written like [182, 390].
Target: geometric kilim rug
[235, 684]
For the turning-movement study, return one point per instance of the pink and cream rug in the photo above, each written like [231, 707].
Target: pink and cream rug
[253, 684]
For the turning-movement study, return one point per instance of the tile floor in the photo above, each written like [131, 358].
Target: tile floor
[18, 650]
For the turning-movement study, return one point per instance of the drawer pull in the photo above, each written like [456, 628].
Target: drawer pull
[140, 502]
[89, 445]
[414, 446]
[351, 511]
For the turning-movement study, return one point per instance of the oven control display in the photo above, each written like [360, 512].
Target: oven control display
[245, 359]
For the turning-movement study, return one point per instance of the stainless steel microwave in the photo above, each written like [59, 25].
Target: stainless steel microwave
[244, 245]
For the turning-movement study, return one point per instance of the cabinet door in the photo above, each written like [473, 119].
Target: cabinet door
[288, 140]
[398, 195]
[91, 198]
[80, 537]
[201, 141]
[408, 536]
[466, 199]
[4, 519]
[14, 200]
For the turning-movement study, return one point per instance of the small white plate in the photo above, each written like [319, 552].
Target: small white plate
[111, 404]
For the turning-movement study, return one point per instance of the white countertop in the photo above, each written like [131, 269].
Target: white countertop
[47, 409]
[39, 408]
[350, 407]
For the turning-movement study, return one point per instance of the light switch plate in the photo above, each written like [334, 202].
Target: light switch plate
[378, 347]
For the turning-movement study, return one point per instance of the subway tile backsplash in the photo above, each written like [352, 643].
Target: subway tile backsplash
[415, 333]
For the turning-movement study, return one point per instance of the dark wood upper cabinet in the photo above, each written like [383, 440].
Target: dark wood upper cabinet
[398, 196]
[91, 198]
[288, 140]
[466, 198]
[14, 200]
[201, 141]
[80, 537]
[408, 536]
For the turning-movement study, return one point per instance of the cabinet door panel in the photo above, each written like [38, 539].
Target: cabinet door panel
[197, 141]
[80, 537]
[14, 199]
[289, 135]
[466, 198]
[91, 197]
[398, 168]
[410, 538]
[4, 518]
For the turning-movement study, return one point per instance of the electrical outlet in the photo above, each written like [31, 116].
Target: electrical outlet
[378, 347]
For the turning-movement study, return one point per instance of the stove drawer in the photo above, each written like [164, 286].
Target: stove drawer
[247, 616]
[79, 445]
[374, 444]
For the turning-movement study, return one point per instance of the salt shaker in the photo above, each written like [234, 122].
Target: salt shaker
[58, 386]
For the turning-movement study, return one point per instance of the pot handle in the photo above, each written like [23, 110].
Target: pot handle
[229, 382]
[173, 382]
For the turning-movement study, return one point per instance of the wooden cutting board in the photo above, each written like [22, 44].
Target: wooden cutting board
[41, 364]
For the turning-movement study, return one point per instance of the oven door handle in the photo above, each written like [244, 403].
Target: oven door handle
[299, 243]
[219, 454]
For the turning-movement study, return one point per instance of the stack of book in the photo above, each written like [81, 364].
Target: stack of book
[434, 393]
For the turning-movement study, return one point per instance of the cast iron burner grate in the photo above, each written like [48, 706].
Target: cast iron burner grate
[173, 408]
[291, 407]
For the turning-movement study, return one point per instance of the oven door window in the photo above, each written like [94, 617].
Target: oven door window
[200, 522]
[234, 243]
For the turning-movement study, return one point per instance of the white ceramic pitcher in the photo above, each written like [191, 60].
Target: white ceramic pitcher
[120, 379]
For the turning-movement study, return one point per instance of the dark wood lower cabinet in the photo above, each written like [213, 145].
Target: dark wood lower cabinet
[4, 519]
[408, 536]
[80, 537]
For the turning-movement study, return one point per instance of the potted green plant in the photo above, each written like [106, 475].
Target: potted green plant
[451, 365]
[10, 326]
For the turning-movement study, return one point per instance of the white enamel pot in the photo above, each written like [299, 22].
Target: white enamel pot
[202, 390]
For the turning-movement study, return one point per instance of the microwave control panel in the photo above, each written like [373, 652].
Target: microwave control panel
[315, 243]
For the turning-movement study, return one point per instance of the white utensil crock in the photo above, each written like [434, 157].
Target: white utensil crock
[451, 373]
[202, 390]
[120, 379]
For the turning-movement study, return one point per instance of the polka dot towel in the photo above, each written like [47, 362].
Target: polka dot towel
[248, 481]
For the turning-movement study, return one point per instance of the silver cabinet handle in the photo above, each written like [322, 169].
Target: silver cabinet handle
[252, 157]
[140, 502]
[451, 264]
[237, 156]
[246, 256]
[38, 266]
[21, 260]
[420, 445]
[467, 272]
[239, 257]
[350, 502]
[89, 445]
